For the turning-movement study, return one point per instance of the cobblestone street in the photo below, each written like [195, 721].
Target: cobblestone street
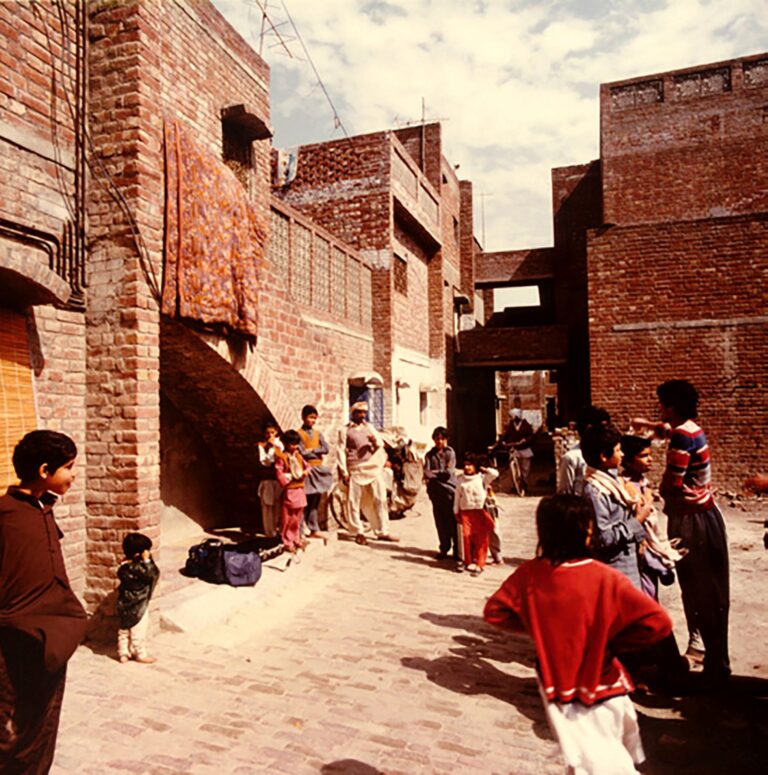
[376, 659]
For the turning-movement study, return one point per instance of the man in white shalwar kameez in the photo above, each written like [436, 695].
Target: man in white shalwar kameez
[361, 462]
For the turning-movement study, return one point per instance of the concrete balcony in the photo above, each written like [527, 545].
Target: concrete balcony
[533, 347]
[414, 200]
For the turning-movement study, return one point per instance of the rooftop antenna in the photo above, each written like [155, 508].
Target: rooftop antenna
[422, 122]
[269, 28]
[482, 196]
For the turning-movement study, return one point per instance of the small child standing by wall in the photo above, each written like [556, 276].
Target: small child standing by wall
[138, 576]
[475, 523]
[291, 470]
[580, 614]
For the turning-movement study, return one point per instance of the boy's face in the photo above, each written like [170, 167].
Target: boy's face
[640, 463]
[358, 416]
[614, 461]
[310, 420]
[470, 468]
[271, 434]
[291, 448]
[441, 442]
[61, 479]
[666, 413]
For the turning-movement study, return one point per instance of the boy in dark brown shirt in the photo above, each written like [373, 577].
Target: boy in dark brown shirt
[41, 620]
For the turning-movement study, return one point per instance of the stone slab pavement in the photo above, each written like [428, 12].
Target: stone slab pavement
[375, 659]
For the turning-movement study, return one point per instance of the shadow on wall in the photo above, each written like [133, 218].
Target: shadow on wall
[188, 480]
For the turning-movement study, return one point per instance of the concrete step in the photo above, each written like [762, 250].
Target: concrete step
[191, 605]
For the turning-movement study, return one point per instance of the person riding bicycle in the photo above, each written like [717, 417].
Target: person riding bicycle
[517, 437]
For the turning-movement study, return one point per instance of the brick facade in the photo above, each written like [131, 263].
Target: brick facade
[678, 272]
[394, 197]
[658, 267]
[166, 415]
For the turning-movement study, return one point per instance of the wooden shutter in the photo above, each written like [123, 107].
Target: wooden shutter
[17, 397]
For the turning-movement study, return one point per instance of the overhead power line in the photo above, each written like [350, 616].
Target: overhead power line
[337, 122]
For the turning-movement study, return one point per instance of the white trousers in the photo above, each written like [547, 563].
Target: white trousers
[600, 739]
[372, 498]
[132, 642]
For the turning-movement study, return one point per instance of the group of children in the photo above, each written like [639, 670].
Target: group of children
[293, 481]
[589, 598]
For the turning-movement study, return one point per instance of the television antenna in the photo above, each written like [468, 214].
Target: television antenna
[272, 29]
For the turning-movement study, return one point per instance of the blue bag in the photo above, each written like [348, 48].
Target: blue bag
[242, 568]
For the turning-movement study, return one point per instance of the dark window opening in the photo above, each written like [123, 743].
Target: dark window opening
[400, 275]
[237, 151]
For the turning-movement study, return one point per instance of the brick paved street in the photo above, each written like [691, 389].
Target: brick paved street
[375, 659]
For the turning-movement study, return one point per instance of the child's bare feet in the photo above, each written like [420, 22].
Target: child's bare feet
[145, 660]
[123, 659]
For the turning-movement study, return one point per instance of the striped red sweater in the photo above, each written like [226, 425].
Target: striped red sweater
[686, 484]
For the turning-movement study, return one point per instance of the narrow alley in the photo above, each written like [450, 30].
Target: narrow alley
[376, 660]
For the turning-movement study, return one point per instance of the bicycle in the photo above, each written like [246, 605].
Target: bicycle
[338, 499]
[498, 453]
[516, 473]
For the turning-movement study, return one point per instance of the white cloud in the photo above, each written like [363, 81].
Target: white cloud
[517, 81]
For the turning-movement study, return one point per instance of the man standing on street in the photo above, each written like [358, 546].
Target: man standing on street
[518, 436]
[361, 465]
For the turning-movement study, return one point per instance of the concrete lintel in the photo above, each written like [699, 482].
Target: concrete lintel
[702, 323]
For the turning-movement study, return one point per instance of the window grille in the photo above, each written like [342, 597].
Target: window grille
[366, 296]
[353, 290]
[301, 269]
[279, 243]
[338, 283]
[321, 275]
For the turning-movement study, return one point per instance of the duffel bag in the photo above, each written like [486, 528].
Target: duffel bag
[206, 561]
[242, 568]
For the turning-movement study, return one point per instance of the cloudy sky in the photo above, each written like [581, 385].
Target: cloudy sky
[515, 82]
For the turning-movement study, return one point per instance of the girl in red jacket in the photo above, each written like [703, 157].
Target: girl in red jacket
[581, 614]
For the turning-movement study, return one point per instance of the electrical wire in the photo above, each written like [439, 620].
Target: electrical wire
[110, 186]
[337, 122]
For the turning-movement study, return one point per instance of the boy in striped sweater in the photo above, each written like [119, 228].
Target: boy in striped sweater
[696, 520]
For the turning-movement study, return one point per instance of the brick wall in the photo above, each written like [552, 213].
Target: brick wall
[577, 206]
[36, 191]
[686, 144]
[685, 300]
[343, 185]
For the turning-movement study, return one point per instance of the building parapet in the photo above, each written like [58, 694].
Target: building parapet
[415, 198]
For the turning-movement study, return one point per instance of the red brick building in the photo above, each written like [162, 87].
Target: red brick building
[395, 198]
[133, 136]
[659, 262]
